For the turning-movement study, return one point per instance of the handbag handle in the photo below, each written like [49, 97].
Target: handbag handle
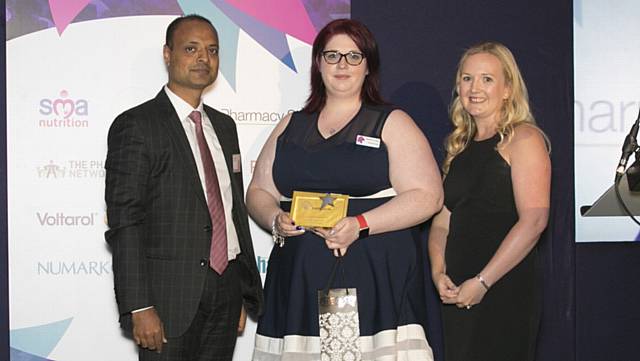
[332, 275]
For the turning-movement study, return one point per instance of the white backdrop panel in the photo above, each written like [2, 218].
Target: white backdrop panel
[60, 266]
[607, 98]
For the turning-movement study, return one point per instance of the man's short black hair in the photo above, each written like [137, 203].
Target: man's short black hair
[168, 41]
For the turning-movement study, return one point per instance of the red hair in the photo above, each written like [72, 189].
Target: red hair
[365, 41]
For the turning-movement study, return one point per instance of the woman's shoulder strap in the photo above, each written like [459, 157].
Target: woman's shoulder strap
[375, 116]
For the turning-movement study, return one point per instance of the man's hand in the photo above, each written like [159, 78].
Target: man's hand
[243, 321]
[148, 331]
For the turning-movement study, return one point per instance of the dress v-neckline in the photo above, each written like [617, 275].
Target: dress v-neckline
[346, 125]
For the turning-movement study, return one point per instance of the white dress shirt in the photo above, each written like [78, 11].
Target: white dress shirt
[183, 109]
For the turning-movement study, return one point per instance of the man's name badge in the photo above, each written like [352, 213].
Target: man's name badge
[367, 141]
[311, 209]
[237, 163]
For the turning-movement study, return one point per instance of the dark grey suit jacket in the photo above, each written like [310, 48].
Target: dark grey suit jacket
[159, 224]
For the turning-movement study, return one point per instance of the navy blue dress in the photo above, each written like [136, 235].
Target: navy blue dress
[386, 269]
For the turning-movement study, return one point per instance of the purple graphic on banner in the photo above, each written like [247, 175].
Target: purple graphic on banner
[64, 12]
[17, 355]
[322, 11]
[298, 18]
[288, 16]
[266, 22]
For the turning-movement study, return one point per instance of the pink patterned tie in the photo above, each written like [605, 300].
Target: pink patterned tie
[218, 259]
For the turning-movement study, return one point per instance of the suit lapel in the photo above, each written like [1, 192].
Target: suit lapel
[167, 115]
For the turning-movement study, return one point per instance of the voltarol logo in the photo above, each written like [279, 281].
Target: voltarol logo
[64, 112]
[62, 219]
[72, 169]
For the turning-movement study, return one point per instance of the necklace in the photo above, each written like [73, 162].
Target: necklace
[334, 128]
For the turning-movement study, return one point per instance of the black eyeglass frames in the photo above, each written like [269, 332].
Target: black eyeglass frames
[334, 57]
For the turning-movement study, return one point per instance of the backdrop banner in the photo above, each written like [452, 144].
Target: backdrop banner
[72, 67]
[607, 99]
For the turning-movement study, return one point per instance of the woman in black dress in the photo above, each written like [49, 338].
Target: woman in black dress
[482, 243]
[346, 140]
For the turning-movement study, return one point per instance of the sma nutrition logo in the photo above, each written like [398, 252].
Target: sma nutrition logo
[63, 111]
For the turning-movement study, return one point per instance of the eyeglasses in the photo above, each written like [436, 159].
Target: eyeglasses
[334, 57]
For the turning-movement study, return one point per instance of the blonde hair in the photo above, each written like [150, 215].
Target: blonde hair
[515, 110]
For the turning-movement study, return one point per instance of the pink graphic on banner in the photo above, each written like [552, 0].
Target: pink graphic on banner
[267, 22]
[288, 16]
[63, 12]
[272, 39]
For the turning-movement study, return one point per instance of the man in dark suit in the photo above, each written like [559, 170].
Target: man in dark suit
[183, 262]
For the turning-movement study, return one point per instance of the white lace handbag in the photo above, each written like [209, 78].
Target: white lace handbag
[338, 319]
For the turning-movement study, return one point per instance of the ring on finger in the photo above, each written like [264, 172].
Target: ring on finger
[468, 307]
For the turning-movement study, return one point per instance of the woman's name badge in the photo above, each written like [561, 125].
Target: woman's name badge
[370, 142]
[310, 209]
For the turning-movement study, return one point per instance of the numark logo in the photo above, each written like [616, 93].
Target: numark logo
[73, 268]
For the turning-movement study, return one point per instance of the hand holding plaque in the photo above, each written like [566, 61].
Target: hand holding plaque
[311, 209]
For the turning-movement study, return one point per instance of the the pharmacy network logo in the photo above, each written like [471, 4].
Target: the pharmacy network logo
[63, 111]
[72, 169]
[267, 22]
[36, 343]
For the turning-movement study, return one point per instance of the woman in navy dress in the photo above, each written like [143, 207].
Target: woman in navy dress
[347, 140]
[482, 243]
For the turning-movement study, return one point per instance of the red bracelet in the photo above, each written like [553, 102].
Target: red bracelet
[364, 226]
[362, 221]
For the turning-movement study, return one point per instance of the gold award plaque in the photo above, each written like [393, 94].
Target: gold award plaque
[311, 209]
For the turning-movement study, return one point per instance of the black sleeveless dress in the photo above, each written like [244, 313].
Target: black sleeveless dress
[386, 269]
[503, 327]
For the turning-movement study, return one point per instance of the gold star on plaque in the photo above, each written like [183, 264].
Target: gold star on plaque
[327, 200]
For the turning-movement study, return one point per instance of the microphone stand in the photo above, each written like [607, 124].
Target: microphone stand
[629, 147]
